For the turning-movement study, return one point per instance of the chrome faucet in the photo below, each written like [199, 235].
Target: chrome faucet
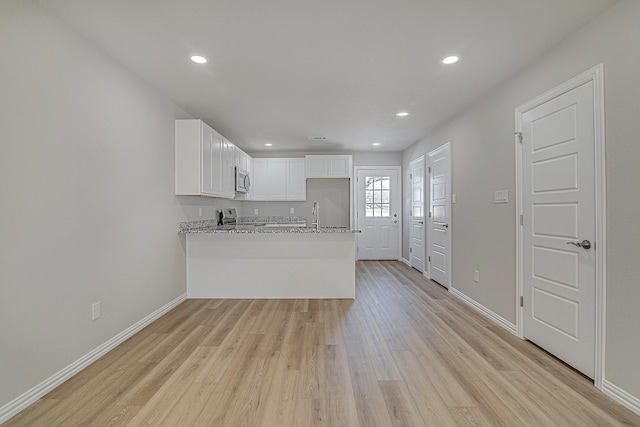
[316, 215]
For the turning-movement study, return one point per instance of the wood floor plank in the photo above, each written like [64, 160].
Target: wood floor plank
[428, 399]
[569, 381]
[166, 397]
[280, 407]
[372, 410]
[400, 406]
[404, 352]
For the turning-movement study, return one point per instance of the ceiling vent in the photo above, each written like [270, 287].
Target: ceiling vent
[317, 138]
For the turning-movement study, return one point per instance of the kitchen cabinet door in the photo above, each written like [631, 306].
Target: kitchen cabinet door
[328, 166]
[296, 179]
[260, 180]
[339, 167]
[277, 179]
[241, 159]
[203, 166]
[228, 169]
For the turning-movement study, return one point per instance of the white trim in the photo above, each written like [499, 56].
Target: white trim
[29, 397]
[446, 146]
[426, 274]
[485, 311]
[595, 75]
[621, 396]
[398, 169]
[406, 261]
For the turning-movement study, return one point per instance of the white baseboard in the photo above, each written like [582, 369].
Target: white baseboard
[32, 395]
[486, 312]
[406, 261]
[624, 398]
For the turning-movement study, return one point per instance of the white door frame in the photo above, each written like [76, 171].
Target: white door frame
[594, 75]
[429, 218]
[421, 161]
[398, 169]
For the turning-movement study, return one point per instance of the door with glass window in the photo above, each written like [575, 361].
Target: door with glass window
[378, 213]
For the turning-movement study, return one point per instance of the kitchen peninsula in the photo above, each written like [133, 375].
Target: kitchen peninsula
[257, 261]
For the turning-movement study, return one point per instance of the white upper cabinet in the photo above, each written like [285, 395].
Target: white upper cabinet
[241, 159]
[278, 179]
[328, 166]
[204, 161]
[296, 179]
[227, 164]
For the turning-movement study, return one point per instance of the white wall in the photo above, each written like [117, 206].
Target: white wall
[86, 198]
[483, 161]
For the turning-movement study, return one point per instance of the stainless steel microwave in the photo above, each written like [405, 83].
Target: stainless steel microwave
[242, 180]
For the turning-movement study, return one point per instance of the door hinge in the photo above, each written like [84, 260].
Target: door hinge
[429, 214]
[521, 301]
[410, 176]
[521, 219]
[519, 135]
[429, 258]
[429, 169]
[410, 250]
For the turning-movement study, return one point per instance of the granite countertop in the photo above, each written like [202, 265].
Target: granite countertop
[257, 226]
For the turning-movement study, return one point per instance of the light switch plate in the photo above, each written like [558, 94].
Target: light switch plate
[501, 196]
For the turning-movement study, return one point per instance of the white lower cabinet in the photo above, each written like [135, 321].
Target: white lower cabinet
[278, 179]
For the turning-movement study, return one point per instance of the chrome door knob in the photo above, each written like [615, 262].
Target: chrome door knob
[585, 244]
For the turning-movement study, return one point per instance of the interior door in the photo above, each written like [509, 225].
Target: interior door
[558, 197]
[440, 215]
[378, 213]
[416, 247]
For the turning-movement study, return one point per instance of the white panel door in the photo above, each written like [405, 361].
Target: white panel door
[416, 215]
[440, 215]
[378, 201]
[558, 199]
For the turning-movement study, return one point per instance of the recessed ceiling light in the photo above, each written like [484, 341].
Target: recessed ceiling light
[402, 114]
[376, 144]
[199, 59]
[452, 59]
[268, 144]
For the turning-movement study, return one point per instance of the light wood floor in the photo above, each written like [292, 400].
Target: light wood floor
[404, 353]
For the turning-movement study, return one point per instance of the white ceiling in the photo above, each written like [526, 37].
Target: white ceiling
[280, 71]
